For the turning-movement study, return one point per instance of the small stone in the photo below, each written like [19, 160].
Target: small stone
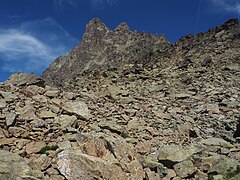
[65, 145]
[65, 120]
[136, 170]
[185, 169]
[150, 175]
[40, 98]
[27, 113]
[95, 147]
[182, 96]
[200, 175]
[224, 151]
[2, 135]
[143, 147]
[218, 177]
[10, 118]
[112, 126]
[41, 163]
[52, 171]
[185, 128]
[69, 95]
[54, 109]
[22, 143]
[46, 114]
[207, 61]
[7, 141]
[170, 174]
[38, 123]
[18, 132]
[8, 96]
[35, 89]
[51, 94]
[2, 104]
[188, 119]
[57, 177]
[78, 108]
[216, 142]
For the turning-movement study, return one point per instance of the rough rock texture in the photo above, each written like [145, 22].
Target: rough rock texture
[101, 48]
[12, 166]
[171, 114]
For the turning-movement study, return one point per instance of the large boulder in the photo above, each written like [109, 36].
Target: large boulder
[172, 154]
[12, 166]
[76, 165]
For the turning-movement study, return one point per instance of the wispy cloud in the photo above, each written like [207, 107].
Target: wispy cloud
[232, 6]
[32, 46]
[23, 52]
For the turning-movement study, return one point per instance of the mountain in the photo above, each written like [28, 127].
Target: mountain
[127, 106]
[102, 48]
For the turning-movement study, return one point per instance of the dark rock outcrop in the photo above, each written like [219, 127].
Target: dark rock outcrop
[100, 48]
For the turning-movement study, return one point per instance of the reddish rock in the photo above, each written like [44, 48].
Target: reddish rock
[34, 147]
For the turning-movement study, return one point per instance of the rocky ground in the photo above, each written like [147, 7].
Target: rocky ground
[176, 119]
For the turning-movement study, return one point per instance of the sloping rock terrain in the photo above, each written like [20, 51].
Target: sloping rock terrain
[127, 105]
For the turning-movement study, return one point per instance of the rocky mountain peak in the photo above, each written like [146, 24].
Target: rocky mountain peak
[95, 23]
[95, 28]
[122, 27]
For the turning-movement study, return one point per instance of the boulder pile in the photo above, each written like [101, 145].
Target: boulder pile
[175, 114]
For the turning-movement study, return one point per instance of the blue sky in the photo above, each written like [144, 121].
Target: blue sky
[34, 32]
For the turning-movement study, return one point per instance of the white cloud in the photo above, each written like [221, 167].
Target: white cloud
[232, 6]
[23, 52]
[32, 46]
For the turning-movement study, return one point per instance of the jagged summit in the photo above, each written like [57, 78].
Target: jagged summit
[102, 47]
[95, 25]
[95, 22]
[122, 27]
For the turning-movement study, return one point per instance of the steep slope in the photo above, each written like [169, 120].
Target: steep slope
[166, 111]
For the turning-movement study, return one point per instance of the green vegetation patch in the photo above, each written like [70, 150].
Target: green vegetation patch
[45, 149]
